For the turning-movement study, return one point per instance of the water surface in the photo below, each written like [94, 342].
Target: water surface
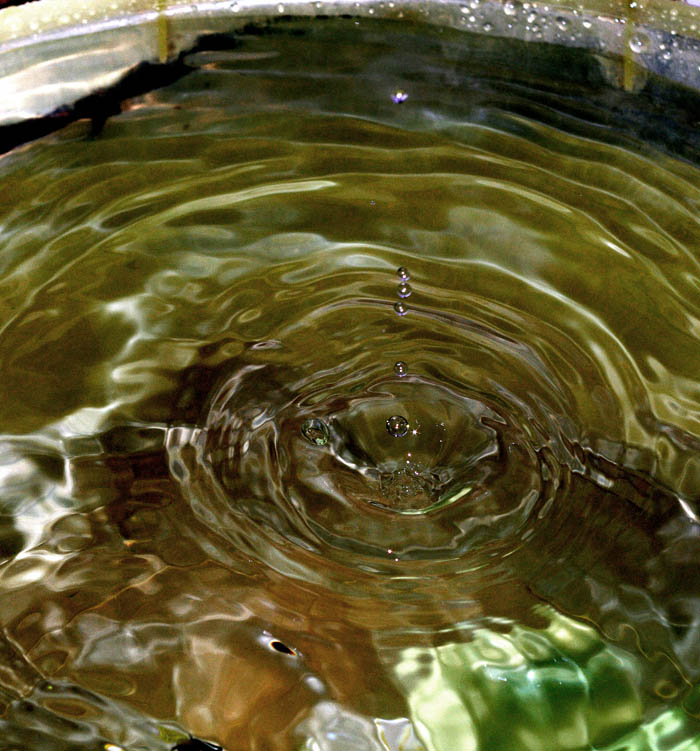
[349, 400]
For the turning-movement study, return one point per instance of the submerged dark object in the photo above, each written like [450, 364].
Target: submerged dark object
[194, 744]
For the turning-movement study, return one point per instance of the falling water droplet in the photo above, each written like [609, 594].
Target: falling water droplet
[400, 308]
[400, 368]
[397, 426]
[315, 431]
[399, 96]
[402, 273]
[404, 290]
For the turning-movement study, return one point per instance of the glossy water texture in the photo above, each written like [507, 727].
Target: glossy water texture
[243, 500]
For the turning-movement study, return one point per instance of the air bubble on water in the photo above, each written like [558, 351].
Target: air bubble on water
[397, 426]
[404, 289]
[399, 96]
[315, 431]
[402, 273]
[400, 368]
[400, 308]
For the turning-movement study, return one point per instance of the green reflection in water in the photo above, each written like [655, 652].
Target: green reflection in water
[560, 688]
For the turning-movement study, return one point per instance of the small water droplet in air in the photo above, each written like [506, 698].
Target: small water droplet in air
[474, 4]
[399, 96]
[563, 23]
[280, 8]
[464, 9]
[371, 203]
[400, 308]
[510, 7]
[402, 273]
[404, 289]
[397, 426]
[487, 27]
[315, 431]
[400, 368]
[666, 55]
[235, 7]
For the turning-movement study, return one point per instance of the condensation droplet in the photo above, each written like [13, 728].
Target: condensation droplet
[400, 368]
[399, 96]
[586, 24]
[464, 9]
[510, 7]
[404, 289]
[400, 308]
[280, 8]
[315, 431]
[397, 426]
[638, 43]
[402, 273]
[562, 23]
[487, 27]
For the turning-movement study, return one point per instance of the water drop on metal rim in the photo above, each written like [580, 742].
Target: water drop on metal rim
[400, 368]
[315, 431]
[400, 308]
[402, 273]
[399, 96]
[404, 290]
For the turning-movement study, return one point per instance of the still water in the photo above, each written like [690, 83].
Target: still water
[349, 400]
